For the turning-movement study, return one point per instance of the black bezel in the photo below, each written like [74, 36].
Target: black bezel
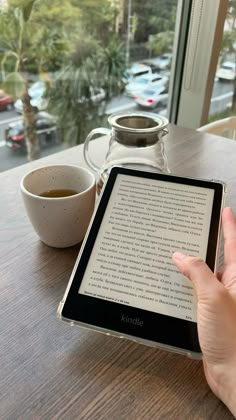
[104, 314]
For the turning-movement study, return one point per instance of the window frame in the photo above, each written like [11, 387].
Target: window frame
[198, 35]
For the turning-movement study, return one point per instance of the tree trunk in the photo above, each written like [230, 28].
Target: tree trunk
[29, 121]
[32, 143]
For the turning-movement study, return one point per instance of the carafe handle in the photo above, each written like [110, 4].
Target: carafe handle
[87, 158]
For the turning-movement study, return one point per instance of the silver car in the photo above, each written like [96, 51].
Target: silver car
[152, 97]
[143, 82]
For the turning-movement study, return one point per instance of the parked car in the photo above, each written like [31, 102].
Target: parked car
[46, 128]
[151, 63]
[164, 61]
[143, 82]
[226, 70]
[97, 95]
[36, 92]
[6, 101]
[136, 70]
[152, 97]
[40, 103]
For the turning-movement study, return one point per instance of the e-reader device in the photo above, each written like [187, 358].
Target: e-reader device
[124, 282]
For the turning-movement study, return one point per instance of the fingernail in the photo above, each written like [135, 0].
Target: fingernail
[179, 256]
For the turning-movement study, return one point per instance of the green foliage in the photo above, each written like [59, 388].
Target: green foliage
[14, 84]
[38, 34]
[70, 97]
[98, 17]
[10, 29]
[70, 100]
[161, 42]
[84, 48]
[153, 17]
[27, 10]
[13, 40]
[50, 49]
[231, 13]
[44, 38]
[76, 39]
[228, 42]
[55, 30]
[220, 115]
[112, 63]
[228, 46]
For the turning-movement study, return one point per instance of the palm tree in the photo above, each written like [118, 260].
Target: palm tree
[71, 100]
[71, 96]
[112, 62]
[14, 33]
[49, 49]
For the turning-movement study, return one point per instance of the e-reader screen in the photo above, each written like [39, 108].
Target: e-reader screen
[141, 220]
[144, 223]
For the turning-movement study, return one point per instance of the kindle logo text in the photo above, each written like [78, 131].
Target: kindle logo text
[133, 321]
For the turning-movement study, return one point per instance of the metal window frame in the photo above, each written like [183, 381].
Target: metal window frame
[199, 29]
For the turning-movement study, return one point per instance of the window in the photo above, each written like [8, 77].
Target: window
[75, 60]
[223, 97]
[196, 54]
[81, 60]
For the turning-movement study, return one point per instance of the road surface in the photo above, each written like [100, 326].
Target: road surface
[221, 99]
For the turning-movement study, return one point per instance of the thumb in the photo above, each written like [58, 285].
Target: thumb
[204, 281]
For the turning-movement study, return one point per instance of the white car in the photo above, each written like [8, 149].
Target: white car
[97, 95]
[36, 92]
[136, 70]
[39, 103]
[226, 70]
[164, 61]
[143, 82]
[152, 97]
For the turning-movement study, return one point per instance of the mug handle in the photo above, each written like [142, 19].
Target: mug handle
[87, 159]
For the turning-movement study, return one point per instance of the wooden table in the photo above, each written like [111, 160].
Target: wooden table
[49, 370]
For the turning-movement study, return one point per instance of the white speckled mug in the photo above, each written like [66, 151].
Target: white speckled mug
[59, 221]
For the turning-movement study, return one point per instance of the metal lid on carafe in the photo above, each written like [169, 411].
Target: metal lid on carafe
[138, 129]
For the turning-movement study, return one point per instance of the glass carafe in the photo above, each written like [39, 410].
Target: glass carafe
[135, 140]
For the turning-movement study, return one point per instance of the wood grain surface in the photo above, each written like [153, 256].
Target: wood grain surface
[50, 370]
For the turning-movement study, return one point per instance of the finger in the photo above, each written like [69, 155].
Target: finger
[229, 229]
[228, 278]
[220, 272]
[219, 275]
[204, 281]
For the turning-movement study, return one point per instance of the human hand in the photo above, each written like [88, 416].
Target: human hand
[216, 313]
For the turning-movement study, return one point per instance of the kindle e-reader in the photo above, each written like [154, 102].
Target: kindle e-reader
[124, 281]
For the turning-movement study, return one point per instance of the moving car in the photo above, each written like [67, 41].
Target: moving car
[152, 97]
[6, 101]
[226, 70]
[150, 63]
[36, 92]
[143, 82]
[164, 61]
[136, 70]
[46, 131]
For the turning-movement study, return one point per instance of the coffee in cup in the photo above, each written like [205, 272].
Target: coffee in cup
[59, 201]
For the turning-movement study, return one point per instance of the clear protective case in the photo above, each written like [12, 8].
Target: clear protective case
[182, 351]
